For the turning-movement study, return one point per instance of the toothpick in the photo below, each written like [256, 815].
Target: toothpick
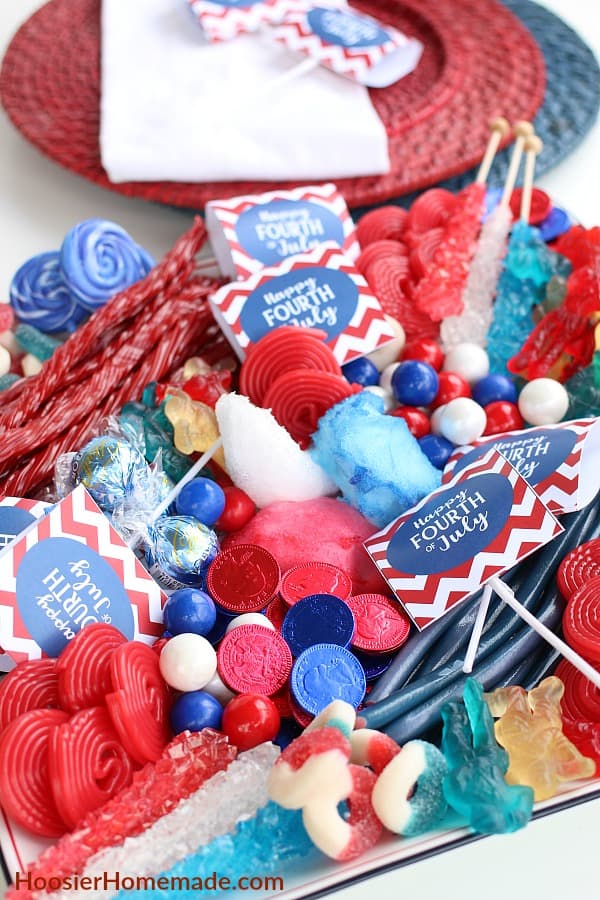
[191, 473]
[477, 629]
[533, 147]
[522, 131]
[499, 128]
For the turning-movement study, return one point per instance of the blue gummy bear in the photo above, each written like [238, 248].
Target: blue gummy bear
[373, 458]
[268, 843]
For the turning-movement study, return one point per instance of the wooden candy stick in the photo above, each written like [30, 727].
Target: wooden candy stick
[522, 131]
[499, 128]
[533, 148]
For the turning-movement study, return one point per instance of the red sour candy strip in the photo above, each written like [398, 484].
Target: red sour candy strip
[299, 398]
[30, 685]
[384, 223]
[581, 700]
[389, 283]
[578, 567]
[24, 778]
[83, 667]
[581, 621]
[87, 764]
[283, 350]
[430, 210]
[139, 706]
[379, 250]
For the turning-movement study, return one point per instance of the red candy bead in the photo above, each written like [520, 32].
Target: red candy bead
[384, 223]
[502, 416]
[417, 421]
[250, 720]
[425, 350]
[239, 509]
[451, 386]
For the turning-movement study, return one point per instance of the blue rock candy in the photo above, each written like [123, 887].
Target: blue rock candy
[373, 458]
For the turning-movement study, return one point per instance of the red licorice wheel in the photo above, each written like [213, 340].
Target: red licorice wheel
[87, 764]
[388, 281]
[383, 223]
[578, 567]
[139, 705]
[586, 737]
[83, 667]
[379, 250]
[31, 685]
[400, 264]
[541, 205]
[421, 256]
[299, 398]
[581, 700]
[431, 210]
[285, 349]
[581, 621]
[24, 777]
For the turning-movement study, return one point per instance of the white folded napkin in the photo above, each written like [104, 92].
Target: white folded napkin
[176, 109]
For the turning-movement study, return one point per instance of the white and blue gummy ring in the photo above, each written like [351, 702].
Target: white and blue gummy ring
[408, 796]
[99, 259]
[39, 295]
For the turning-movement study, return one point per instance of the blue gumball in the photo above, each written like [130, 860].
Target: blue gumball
[361, 371]
[194, 711]
[189, 610]
[415, 383]
[494, 387]
[202, 498]
[437, 449]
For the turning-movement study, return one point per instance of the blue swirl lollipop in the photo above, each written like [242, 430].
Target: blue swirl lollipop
[98, 259]
[39, 295]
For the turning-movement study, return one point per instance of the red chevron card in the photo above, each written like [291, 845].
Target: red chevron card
[478, 525]
[222, 20]
[319, 289]
[562, 462]
[67, 570]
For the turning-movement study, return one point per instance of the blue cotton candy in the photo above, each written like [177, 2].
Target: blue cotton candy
[373, 458]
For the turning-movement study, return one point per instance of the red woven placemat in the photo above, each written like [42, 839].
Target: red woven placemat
[479, 61]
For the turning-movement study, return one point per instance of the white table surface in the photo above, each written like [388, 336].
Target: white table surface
[552, 859]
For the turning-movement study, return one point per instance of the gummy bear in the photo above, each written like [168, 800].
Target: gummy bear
[195, 424]
[209, 387]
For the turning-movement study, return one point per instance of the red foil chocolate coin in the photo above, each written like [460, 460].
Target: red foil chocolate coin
[254, 660]
[243, 578]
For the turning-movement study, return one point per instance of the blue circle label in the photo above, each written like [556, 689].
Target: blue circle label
[273, 231]
[12, 521]
[534, 454]
[63, 585]
[452, 527]
[345, 29]
[314, 297]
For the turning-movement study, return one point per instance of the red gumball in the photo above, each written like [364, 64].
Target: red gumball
[417, 421]
[239, 509]
[503, 416]
[425, 350]
[452, 385]
[249, 720]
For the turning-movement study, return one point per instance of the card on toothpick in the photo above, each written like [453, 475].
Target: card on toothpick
[223, 20]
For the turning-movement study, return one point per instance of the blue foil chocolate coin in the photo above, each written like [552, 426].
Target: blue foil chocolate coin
[327, 672]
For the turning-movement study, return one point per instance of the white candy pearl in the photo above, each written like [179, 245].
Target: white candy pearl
[5, 360]
[389, 401]
[385, 355]
[254, 618]
[385, 379]
[435, 419]
[8, 340]
[462, 421]
[218, 690]
[188, 662]
[469, 360]
[31, 365]
[543, 401]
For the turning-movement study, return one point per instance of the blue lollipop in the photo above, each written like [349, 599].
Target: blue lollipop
[98, 259]
[39, 295]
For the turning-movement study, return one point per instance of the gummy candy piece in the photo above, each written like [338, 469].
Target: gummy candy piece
[83, 667]
[207, 388]
[475, 786]
[263, 459]
[578, 244]
[431, 209]
[373, 482]
[87, 764]
[383, 223]
[32, 684]
[36, 342]
[383, 249]
[24, 780]
[369, 747]
[529, 727]
[195, 425]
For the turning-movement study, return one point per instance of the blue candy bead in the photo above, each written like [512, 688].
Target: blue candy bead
[437, 449]
[361, 371]
[415, 383]
[556, 223]
[324, 673]
[494, 387]
[318, 619]
[190, 610]
[194, 711]
[202, 498]
[39, 295]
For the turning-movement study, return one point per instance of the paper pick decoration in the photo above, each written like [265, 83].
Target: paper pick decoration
[475, 527]
[253, 231]
[562, 462]
[350, 44]
[67, 570]
[223, 20]
[16, 514]
[320, 289]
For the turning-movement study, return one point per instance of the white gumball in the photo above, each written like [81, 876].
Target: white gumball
[469, 360]
[462, 421]
[31, 365]
[543, 401]
[390, 352]
[5, 360]
[254, 618]
[217, 689]
[389, 401]
[435, 419]
[188, 662]
[385, 379]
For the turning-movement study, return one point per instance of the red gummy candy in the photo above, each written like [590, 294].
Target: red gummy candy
[380, 250]
[208, 388]
[83, 668]
[24, 778]
[30, 685]
[578, 244]
[384, 223]
[139, 705]
[431, 209]
[87, 764]
[7, 317]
